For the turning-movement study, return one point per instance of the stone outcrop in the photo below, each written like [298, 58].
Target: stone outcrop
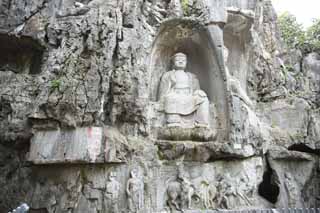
[82, 127]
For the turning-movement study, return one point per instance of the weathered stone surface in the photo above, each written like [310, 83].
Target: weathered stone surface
[289, 180]
[79, 85]
[82, 145]
[74, 146]
[291, 116]
[284, 154]
[311, 65]
[203, 151]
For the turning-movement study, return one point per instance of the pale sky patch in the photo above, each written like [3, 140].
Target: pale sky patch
[304, 10]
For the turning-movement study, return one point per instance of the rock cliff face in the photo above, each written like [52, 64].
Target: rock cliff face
[84, 127]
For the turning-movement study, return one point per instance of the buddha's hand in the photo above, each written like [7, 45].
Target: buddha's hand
[200, 93]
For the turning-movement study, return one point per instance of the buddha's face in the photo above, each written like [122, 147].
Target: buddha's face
[112, 176]
[134, 173]
[180, 61]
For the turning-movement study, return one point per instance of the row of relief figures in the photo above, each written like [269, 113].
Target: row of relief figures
[178, 193]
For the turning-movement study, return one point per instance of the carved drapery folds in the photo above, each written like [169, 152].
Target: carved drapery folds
[184, 103]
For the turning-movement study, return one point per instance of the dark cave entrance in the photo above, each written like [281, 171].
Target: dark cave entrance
[300, 147]
[20, 54]
[269, 187]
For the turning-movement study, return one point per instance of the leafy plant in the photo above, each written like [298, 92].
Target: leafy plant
[56, 84]
[185, 6]
[291, 31]
[295, 36]
[313, 35]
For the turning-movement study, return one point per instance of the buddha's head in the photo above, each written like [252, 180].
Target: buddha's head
[179, 61]
[134, 173]
[112, 176]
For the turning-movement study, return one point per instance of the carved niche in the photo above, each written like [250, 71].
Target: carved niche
[238, 56]
[186, 85]
[237, 37]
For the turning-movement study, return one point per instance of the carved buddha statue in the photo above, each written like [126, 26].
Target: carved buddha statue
[185, 105]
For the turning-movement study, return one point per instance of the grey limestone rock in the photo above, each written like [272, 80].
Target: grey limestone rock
[86, 124]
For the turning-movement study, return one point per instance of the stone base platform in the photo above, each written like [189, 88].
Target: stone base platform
[202, 151]
[197, 134]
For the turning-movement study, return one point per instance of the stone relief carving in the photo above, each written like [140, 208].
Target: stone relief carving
[23, 208]
[187, 190]
[234, 83]
[227, 192]
[202, 117]
[135, 191]
[155, 11]
[181, 192]
[208, 193]
[291, 188]
[185, 105]
[243, 190]
[77, 10]
[112, 193]
[113, 55]
[173, 193]
[223, 191]
[175, 8]
[232, 191]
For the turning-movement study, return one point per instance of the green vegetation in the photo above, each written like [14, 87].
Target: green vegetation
[313, 35]
[295, 36]
[55, 84]
[291, 31]
[185, 6]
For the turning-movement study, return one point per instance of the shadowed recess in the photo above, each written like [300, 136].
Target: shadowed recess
[269, 188]
[20, 54]
[303, 148]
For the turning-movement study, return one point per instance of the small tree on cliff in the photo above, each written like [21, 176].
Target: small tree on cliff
[313, 35]
[295, 36]
[291, 31]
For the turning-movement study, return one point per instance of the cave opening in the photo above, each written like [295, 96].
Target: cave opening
[20, 54]
[269, 187]
[300, 147]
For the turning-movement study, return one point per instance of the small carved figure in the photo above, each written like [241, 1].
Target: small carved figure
[155, 13]
[185, 105]
[112, 192]
[243, 188]
[135, 192]
[226, 192]
[208, 193]
[174, 192]
[77, 10]
[187, 192]
[175, 8]
[23, 208]
[291, 189]
[155, 10]
[180, 192]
